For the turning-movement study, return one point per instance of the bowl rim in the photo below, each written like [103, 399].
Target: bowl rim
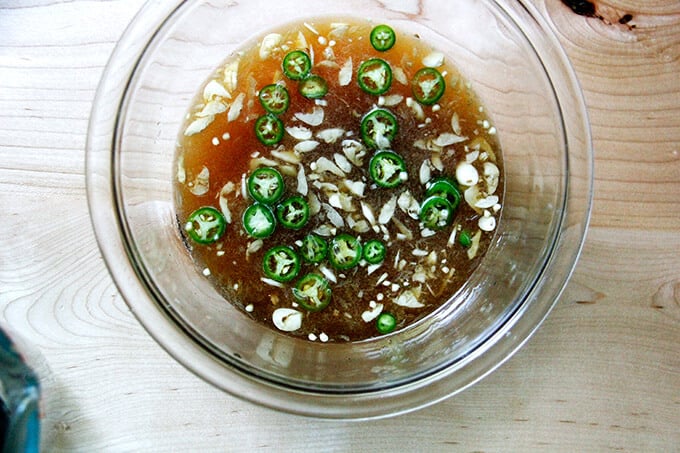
[104, 205]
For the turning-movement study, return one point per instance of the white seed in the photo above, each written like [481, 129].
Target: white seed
[466, 174]
[287, 319]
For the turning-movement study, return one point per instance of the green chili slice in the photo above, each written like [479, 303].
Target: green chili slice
[293, 212]
[205, 225]
[378, 128]
[387, 169]
[383, 38]
[374, 251]
[274, 98]
[345, 251]
[386, 323]
[374, 76]
[313, 87]
[281, 263]
[297, 65]
[269, 129]
[428, 86]
[259, 221]
[314, 248]
[312, 292]
[445, 188]
[436, 212]
[465, 239]
[265, 185]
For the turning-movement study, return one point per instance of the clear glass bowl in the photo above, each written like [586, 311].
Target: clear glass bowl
[524, 80]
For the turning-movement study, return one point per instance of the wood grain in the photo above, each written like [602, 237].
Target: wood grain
[603, 373]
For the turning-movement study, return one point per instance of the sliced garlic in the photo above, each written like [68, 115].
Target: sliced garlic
[387, 211]
[306, 146]
[345, 74]
[408, 299]
[433, 59]
[299, 132]
[467, 174]
[236, 107]
[370, 315]
[287, 319]
[213, 89]
[201, 183]
[269, 43]
[491, 175]
[313, 118]
[487, 223]
[330, 135]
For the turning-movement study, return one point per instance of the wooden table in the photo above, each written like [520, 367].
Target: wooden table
[603, 373]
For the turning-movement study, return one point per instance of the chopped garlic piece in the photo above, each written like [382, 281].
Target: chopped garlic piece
[433, 59]
[287, 319]
[269, 43]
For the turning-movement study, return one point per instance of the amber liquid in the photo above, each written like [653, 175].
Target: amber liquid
[238, 273]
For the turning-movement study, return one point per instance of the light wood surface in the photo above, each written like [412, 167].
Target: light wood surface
[602, 373]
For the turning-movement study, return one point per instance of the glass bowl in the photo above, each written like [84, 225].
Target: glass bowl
[525, 82]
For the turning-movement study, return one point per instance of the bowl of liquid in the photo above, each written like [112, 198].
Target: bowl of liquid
[340, 215]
